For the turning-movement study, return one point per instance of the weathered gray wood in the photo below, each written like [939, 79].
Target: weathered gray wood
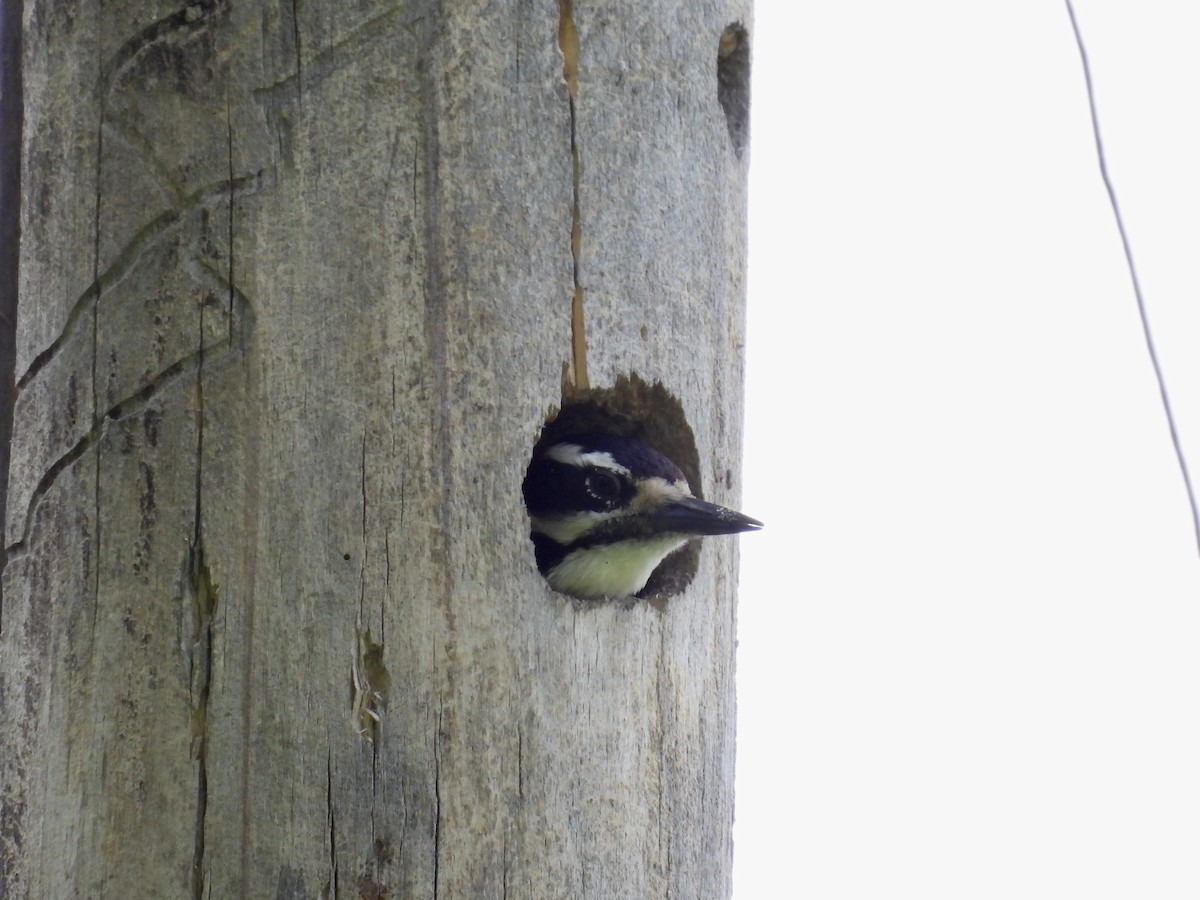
[297, 286]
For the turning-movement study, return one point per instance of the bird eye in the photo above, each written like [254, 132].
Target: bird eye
[604, 486]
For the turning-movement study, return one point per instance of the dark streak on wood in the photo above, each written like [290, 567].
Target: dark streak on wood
[154, 231]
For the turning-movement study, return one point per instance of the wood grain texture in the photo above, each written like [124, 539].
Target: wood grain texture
[297, 293]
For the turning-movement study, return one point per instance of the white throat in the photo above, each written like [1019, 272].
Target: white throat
[612, 570]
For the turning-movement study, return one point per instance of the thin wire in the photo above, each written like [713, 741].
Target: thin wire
[1137, 288]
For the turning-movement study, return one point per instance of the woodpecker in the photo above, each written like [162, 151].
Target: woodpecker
[606, 510]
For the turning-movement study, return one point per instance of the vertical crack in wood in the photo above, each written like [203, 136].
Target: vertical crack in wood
[660, 702]
[248, 588]
[435, 295]
[204, 590]
[387, 552]
[299, 59]
[97, 421]
[520, 763]
[232, 197]
[568, 42]
[332, 886]
[204, 597]
[12, 113]
[437, 807]
[362, 568]
[504, 866]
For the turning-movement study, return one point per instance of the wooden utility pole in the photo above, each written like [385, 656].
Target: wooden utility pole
[300, 285]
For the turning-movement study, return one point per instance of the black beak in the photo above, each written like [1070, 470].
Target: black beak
[693, 516]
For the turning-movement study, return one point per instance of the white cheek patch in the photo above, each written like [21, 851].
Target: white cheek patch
[611, 570]
[568, 528]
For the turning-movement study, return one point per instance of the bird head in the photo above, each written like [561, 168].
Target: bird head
[605, 510]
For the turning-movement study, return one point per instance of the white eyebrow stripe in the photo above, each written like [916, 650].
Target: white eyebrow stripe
[658, 491]
[574, 455]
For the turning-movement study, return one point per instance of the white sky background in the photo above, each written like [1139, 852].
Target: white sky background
[969, 658]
